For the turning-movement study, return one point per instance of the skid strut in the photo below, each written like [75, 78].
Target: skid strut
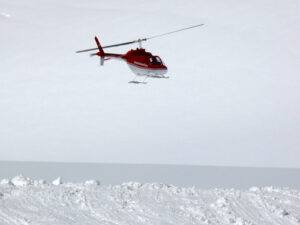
[138, 82]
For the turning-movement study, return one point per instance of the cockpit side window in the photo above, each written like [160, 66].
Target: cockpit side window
[153, 61]
[160, 62]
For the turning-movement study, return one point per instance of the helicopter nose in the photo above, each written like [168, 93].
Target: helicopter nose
[164, 70]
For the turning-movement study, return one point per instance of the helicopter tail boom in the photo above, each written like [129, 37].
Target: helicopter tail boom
[105, 56]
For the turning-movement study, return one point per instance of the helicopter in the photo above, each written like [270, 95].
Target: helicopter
[141, 62]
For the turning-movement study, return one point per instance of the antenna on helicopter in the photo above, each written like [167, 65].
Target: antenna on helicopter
[140, 40]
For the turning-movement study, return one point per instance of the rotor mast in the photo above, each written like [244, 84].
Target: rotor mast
[140, 42]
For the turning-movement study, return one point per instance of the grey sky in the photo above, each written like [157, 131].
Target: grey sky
[232, 99]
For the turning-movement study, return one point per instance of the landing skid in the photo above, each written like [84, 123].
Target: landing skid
[147, 76]
[137, 82]
[157, 76]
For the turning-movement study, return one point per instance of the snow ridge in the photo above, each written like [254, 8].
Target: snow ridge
[27, 201]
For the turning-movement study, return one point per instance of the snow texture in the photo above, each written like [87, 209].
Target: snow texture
[26, 201]
[57, 181]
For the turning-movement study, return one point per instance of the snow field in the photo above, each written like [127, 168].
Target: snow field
[27, 201]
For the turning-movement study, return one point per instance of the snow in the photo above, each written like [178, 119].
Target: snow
[21, 181]
[92, 182]
[5, 182]
[57, 181]
[133, 203]
[232, 99]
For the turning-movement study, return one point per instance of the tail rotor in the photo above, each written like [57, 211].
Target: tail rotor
[100, 53]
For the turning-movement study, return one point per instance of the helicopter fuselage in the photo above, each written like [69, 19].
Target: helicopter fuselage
[143, 63]
[140, 62]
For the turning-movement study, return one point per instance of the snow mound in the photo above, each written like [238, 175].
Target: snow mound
[42, 181]
[92, 182]
[136, 203]
[254, 189]
[5, 182]
[21, 181]
[57, 181]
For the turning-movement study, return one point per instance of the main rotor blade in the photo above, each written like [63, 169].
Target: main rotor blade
[110, 46]
[171, 32]
[140, 40]
[124, 43]
[86, 50]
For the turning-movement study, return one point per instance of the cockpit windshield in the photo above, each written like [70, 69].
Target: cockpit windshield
[159, 60]
[156, 61]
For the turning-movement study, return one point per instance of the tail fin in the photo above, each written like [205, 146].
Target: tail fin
[101, 52]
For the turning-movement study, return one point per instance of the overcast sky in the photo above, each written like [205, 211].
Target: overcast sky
[232, 97]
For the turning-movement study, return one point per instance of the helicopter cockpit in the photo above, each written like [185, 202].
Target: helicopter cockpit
[156, 60]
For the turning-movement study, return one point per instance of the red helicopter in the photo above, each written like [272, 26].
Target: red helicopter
[141, 63]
